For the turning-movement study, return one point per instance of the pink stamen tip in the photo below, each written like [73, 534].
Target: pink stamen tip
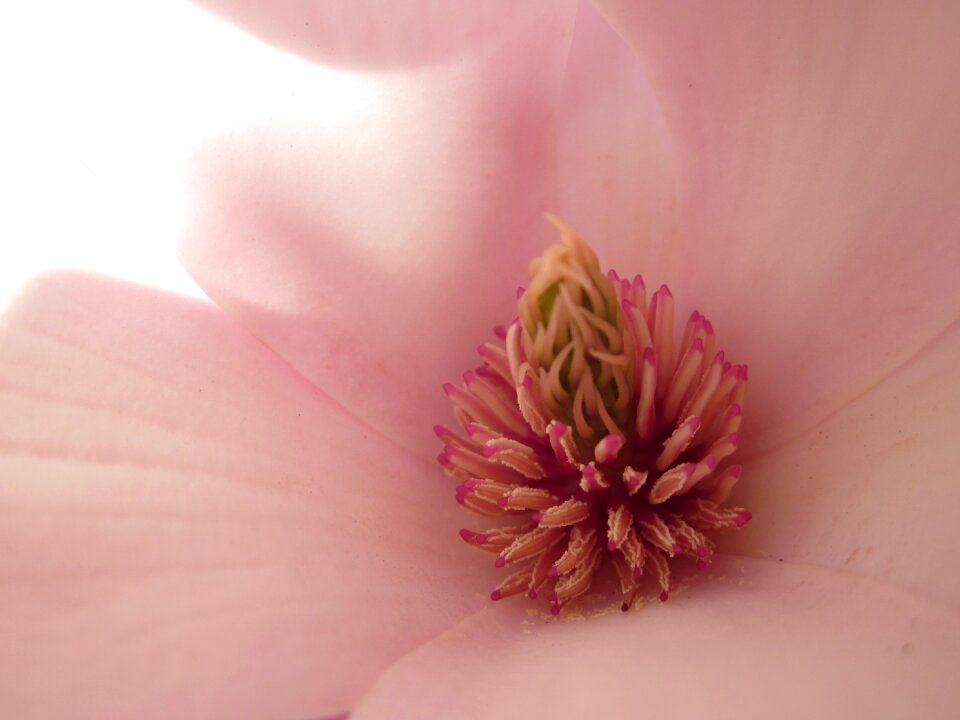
[496, 595]
[467, 535]
[471, 428]
[449, 388]
[460, 498]
[612, 275]
[500, 331]
[553, 572]
[664, 290]
[443, 459]
[502, 502]
[638, 573]
[718, 359]
[482, 350]
[735, 471]
[470, 483]
[708, 326]
[701, 565]
[611, 545]
[488, 451]
[555, 609]
[537, 517]
[677, 549]
[743, 518]
[734, 438]
[701, 552]
[499, 562]
[532, 593]
[627, 306]
[710, 462]
[520, 292]
[469, 377]
[481, 538]
[649, 356]
[697, 345]
[527, 381]
[440, 431]
[695, 424]
[664, 596]
[695, 315]
[736, 410]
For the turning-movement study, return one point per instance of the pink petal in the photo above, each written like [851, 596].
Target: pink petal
[872, 489]
[616, 171]
[379, 33]
[818, 166]
[759, 640]
[376, 255]
[190, 530]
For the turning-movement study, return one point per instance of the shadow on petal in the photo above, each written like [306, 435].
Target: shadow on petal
[757, 639]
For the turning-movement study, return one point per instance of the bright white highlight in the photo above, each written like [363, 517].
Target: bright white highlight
[105, 103]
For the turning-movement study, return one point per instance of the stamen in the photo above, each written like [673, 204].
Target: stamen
[725, 483]
[619, 520]
[656, 532]
[646, 413]
[592, 480]
[633, 480]
[527, 498]
[687, 371]
[608, 448]
[661, 320]
[582, 542]
[678, 442]
[577, 582]
[670, 483]
[569, 512]
[530, 544]
[599, 435]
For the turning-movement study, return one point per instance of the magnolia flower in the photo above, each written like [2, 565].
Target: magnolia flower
[235, 511]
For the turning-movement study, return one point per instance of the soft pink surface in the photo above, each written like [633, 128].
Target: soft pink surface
[873, 488]
[190, 529]
[189, 525]
[778, 170]
[816, 222]
[376, 256]
[756, 640]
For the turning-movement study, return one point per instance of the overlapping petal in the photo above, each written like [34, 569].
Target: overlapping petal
[191, 529]
[817, 160]
[374, 255]
[380, 34]
[759, 639]
[872, 489]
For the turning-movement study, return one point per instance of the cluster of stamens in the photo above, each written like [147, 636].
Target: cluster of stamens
[591, 436]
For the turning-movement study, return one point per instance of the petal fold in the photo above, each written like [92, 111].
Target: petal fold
[818, 166]
[375, 253]
[757, 639]
[872, 489]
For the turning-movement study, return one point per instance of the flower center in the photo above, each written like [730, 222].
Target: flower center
[596, 435]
